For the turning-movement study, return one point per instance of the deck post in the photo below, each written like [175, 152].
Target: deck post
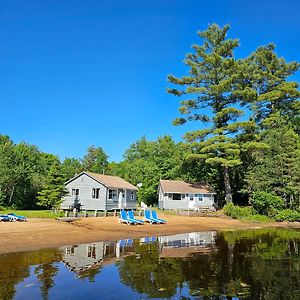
[105, 213]
[96, 214]
[115, 213]
[66, 213]
[74, 212]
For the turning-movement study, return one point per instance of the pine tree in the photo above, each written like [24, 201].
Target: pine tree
[272, 92]
[53, 189]
[213, 87]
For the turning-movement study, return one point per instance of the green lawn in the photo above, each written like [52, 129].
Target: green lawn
[34, 213]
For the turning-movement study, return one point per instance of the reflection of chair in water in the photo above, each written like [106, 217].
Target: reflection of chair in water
[129, 242]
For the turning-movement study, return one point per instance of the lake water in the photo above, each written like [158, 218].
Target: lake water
[249, 264]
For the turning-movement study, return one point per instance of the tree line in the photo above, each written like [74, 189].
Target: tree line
[247, 119]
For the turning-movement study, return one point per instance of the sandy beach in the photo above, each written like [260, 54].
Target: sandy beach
[48, 233]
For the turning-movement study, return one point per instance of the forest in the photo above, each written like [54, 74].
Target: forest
[246, 142]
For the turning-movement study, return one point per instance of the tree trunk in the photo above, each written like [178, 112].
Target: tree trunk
[228, 195]
[11, 195]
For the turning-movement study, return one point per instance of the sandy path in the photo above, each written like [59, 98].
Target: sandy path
[47, 233]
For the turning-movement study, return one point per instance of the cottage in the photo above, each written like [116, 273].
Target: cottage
[92, 191]
[176, 194]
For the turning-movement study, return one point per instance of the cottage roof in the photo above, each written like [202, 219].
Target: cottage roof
[182, 187]
[109, 181]
[112, 181]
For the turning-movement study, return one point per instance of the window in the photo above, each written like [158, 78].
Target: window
[75, 192]
[91, 251]
[95, 193]
[70, 250]
[191, 197]
[113, 195]
[132, 195]
[176, 196]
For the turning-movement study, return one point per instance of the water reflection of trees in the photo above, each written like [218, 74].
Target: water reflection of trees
[261, 264]
[17, 268]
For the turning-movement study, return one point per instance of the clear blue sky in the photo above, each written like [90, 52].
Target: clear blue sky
[77, 73]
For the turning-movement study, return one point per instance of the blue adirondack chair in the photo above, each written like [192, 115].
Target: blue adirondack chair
[5, 218]
[132, 217]
[148, 218]
[15, 217]
[154, 216]
[125, 219]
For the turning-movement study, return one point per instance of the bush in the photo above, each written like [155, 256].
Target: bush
[265, 203]
[288, 215]
[246, 213]
[237, 212]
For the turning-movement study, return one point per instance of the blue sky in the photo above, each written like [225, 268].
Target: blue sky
[77, 73]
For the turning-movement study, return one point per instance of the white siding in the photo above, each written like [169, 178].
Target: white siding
[85, 184]
[166, 202]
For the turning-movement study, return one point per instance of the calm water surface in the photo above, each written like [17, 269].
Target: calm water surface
[252, 264]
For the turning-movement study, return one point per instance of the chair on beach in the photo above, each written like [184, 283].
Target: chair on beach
[15, 217]
[5, 218]
[125, 219]
[132, 217]
[148, 218]
[154, 216]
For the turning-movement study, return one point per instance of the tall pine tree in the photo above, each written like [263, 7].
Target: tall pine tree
[212, 89]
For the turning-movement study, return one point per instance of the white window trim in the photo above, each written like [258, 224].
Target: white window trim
[114, 199]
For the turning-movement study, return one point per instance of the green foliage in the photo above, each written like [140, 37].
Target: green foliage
[146, 162]
[268, 77]
[244, 213]
[264, 203]
[288, 215]
[276, 169]
[214, 85]
[53, 189]
[95, 160]
[237, 212]
[71, 167]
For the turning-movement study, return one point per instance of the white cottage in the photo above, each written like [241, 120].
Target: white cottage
[92, 191]
[176, 194]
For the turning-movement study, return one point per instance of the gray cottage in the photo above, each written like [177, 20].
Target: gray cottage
[92, 191]
[176, 194]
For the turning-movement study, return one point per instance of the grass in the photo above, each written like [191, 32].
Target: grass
[33, 213]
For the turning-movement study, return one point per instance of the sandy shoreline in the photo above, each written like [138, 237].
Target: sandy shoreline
[47, 233]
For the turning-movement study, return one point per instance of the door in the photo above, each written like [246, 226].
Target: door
[191, 201]
[121, 200]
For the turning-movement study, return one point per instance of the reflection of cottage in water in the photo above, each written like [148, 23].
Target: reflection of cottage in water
[206, 238]
[185, 244]
[92, 256]
[89, 256]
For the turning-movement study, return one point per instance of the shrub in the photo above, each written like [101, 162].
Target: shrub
[288, 215]
[237, 212]
[265, 203]
[246, 213]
